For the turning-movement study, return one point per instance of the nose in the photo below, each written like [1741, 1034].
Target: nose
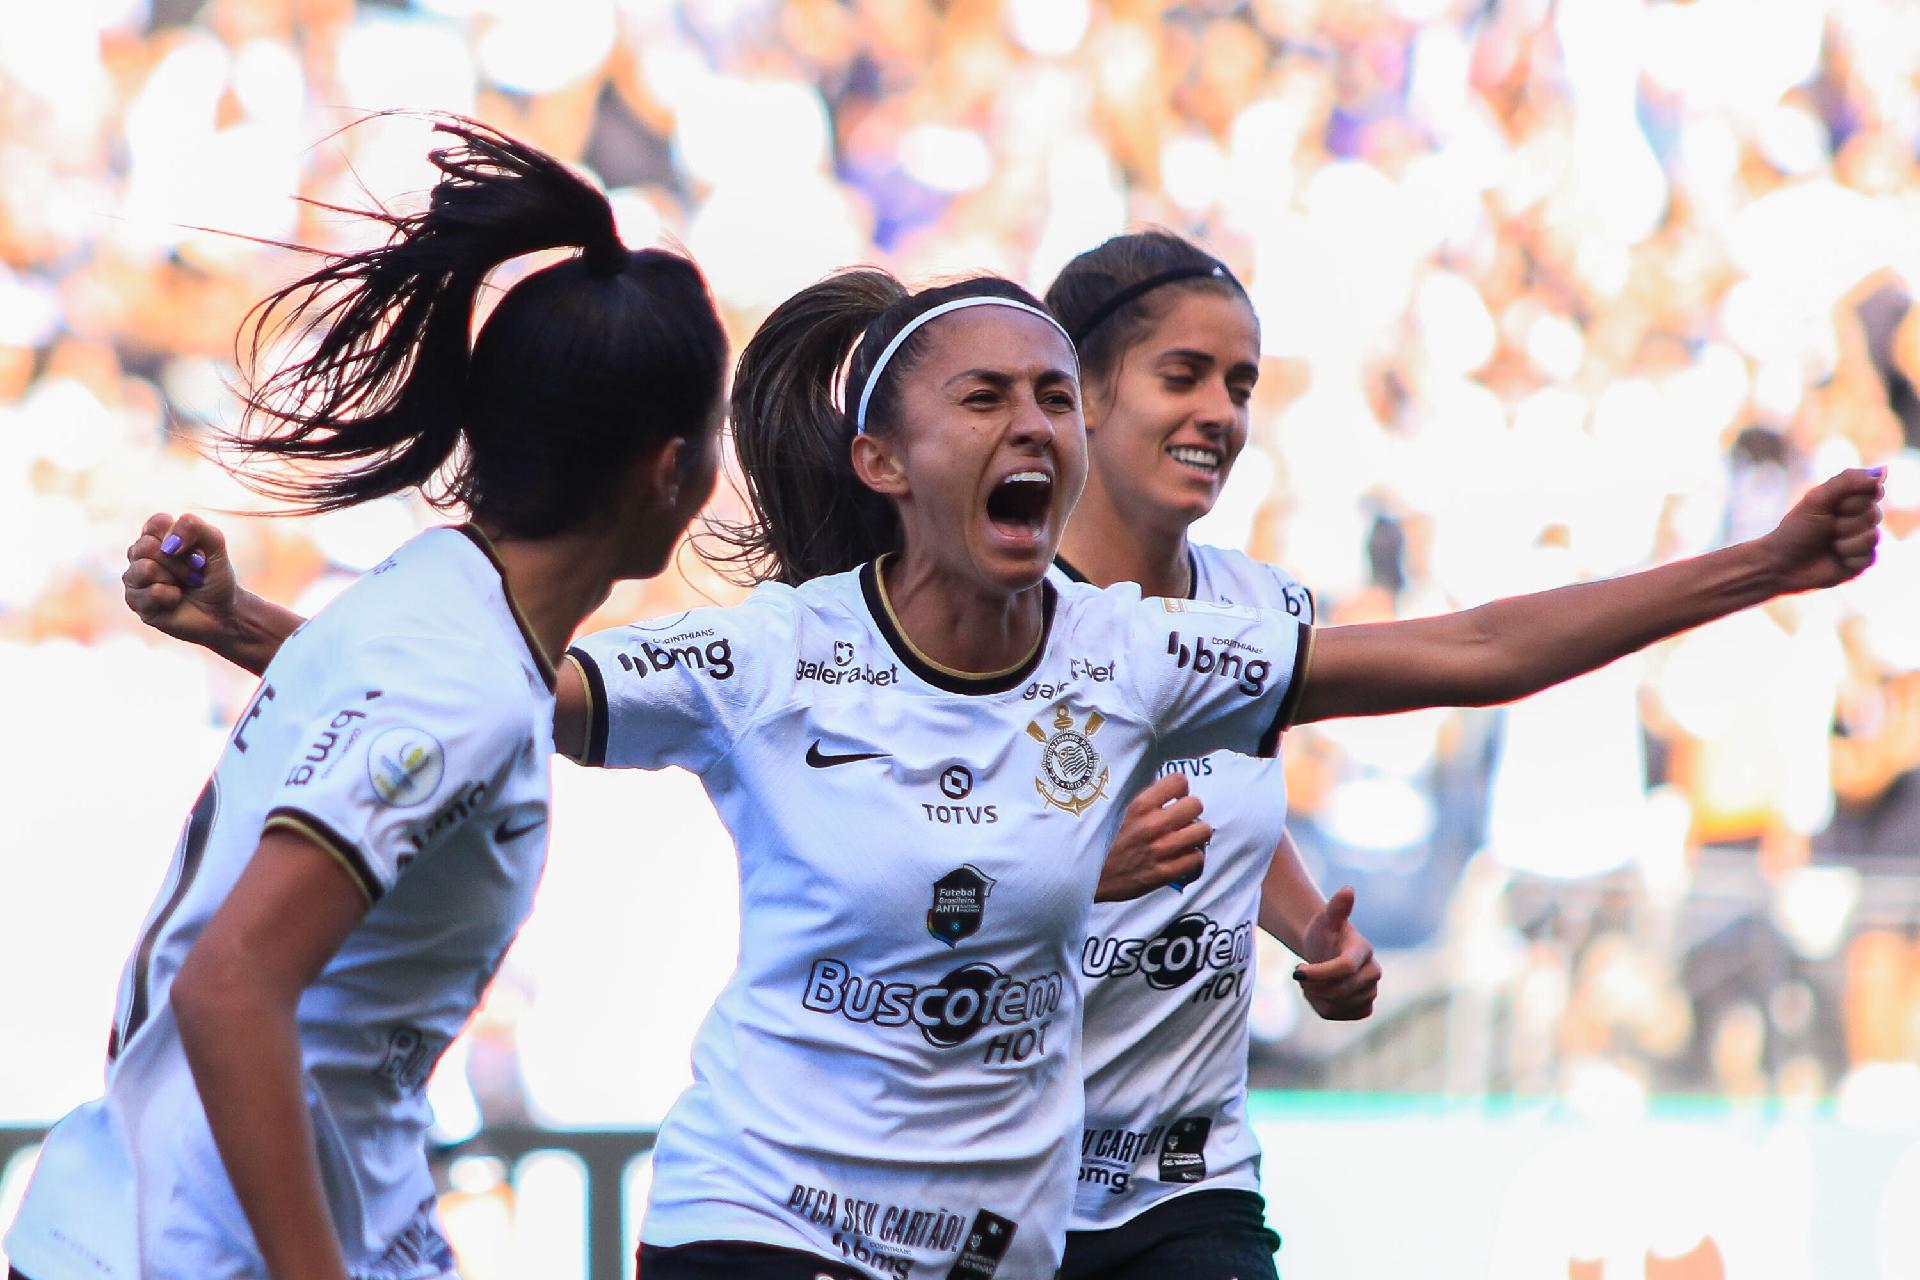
[1217, 412]
[1033, 426]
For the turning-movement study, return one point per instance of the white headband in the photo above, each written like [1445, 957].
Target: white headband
[933, 313]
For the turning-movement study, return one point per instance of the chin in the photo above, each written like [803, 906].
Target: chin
[1014, 570]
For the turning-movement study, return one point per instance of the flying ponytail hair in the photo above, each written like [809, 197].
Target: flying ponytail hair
[795, 392]
[546, 400]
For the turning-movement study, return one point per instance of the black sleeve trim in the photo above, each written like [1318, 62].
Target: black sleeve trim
[344, 851]
[1290, 701]
[597, 718]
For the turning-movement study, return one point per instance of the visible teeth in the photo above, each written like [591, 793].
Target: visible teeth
[1195, 457]
[1026, 477]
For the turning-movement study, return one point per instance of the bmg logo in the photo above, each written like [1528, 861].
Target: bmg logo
[1251, 673]
[716, 659]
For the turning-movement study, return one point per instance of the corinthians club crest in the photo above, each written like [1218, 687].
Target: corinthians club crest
[959, 901]
[1071, 775]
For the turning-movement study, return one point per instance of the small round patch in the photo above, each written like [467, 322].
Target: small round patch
[1069, 760]
[405, 766]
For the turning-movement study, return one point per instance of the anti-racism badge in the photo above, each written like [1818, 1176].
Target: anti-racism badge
[959, 902]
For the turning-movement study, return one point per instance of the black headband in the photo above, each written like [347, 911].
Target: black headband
[1215, 270]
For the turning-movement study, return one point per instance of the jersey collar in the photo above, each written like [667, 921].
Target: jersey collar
[541, 661]
[874, 589]
[1193, 573]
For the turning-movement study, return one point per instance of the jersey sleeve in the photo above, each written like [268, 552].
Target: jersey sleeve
[414, 736]
[680, 691]
[1214, 677]
[1291, 596]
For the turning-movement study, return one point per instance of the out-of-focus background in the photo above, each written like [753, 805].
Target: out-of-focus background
[1550, 289]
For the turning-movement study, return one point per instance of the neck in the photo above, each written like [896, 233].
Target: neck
[1107, 546]
[556, 581]
[957, 624]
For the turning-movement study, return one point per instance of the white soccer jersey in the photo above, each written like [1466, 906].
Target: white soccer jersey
[1168, 977]
[406, 729]
[892, 1076]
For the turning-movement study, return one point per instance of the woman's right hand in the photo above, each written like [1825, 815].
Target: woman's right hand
[179, 580]
[1161, 841]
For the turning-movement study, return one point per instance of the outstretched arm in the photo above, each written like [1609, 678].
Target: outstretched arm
[180, 582]
[1511, 648]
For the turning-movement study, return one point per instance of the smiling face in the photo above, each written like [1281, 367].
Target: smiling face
[987, 451]
[1165, 427]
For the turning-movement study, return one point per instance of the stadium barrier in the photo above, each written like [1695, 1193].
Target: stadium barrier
[604, 1156]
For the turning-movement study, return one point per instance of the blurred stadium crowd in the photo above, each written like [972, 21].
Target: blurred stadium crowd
[1549, 291]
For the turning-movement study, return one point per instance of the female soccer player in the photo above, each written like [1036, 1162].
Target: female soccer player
[371, 837]
[917, 742]
[1169, 1182]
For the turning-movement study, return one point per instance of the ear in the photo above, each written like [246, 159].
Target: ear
[1095, 399]
[666, 471]
[878, 465]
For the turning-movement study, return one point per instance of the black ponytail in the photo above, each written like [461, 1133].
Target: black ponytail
[794, 395]
[1111, 295]
[549, 400]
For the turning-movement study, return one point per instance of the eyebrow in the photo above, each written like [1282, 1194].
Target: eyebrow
[1193, 356]
[1001, 378]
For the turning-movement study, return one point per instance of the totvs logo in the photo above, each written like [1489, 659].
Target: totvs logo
[1252, 673]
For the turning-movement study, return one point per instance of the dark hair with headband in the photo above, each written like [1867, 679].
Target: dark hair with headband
[1110, 296]
[795, 396]
[580, 368]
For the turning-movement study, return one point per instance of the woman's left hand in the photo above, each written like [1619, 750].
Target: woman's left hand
[1341, 977]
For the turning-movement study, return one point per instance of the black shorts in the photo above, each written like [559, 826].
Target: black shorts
[1203, 1235]
[737, 1260]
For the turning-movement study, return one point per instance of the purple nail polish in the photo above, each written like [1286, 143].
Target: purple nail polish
[197, 560]
[196, 579]
[171, 545]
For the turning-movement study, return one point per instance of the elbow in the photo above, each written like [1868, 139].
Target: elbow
[208, 996]
[1493, 664]
[197, 997]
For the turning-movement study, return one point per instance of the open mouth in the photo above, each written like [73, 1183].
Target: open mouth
[1019, 504]
[1196, 457]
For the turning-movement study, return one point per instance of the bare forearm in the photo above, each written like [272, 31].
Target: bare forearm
[245, 1054]
[1519, 646]
[259, 628]
[1289, 899]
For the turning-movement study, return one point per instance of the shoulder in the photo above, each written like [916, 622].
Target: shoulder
[1081, 606]
[1244, 580]
[437, 584]
[714, 633]
[459, 684]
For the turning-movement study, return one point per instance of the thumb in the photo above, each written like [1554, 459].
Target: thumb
[1339, 907]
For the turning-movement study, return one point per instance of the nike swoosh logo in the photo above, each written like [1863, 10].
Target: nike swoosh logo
[821, 760]
[504, 833]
